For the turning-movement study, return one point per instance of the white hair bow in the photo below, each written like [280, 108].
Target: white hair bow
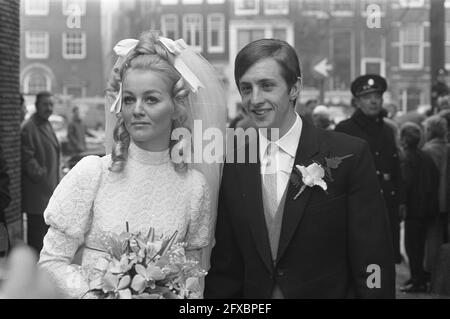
[124, 47]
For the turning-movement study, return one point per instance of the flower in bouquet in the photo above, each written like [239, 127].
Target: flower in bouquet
[138, 266]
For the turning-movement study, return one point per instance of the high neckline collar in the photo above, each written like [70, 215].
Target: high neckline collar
[148, 157]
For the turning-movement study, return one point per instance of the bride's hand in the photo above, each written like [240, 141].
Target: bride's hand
[24, 280]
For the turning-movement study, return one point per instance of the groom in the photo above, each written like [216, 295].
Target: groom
[286, 229]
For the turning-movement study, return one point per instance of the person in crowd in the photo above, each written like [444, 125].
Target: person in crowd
[421, 178]
[279, 235]
[436, 147]
[40, 167]
[367, 122]
[439, 89]
[321, 117]
[140, 183]
[76, 133]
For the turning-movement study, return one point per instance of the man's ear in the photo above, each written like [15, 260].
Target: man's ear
[295, 89]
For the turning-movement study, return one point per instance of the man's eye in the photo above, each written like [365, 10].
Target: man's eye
[267, 85]
[129, 100]
[245, 89]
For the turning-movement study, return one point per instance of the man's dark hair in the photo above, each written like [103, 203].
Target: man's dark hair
[279, 50]
[41, 95]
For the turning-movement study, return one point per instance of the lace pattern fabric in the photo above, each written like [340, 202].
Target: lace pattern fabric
[92, 201]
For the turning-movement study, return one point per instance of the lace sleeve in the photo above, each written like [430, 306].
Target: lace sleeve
[69, 216]
[199, 231]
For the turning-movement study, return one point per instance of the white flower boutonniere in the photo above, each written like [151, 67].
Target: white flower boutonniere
[311, 176]
[315, 174]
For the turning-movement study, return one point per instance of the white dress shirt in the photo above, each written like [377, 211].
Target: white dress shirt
[282, 158]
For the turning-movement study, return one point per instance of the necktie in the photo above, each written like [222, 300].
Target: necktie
[270, 180]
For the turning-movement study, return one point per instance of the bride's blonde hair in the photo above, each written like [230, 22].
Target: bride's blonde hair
[149, 54]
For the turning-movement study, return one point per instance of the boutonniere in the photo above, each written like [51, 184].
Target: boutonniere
[315, 174]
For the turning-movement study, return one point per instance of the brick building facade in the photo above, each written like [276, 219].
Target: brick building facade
[9, 106]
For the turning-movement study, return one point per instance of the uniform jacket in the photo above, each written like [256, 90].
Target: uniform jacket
[382, 143]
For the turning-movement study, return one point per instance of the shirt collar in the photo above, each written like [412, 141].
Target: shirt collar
[288, 142]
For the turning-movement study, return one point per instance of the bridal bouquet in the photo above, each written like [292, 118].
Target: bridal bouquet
[142, 267]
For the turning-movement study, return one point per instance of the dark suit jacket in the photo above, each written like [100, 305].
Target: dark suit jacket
[327, 241]
[40, 165]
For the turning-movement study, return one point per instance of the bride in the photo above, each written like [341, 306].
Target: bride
[160, 85]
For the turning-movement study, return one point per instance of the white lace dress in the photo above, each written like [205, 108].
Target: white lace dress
[91, 201]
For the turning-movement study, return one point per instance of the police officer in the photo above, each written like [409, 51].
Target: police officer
[439, 88]
[367, 123]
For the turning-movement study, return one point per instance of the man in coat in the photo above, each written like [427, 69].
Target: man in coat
[40, 167]
[279, 234]
[367, 123]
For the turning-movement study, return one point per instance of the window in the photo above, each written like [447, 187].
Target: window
[412, 3]
[74, 45]
[312, 5]
[74, 7]
[193, 30]
[243, 7]
[169, 26]
[36, 7]
[216, 33]
[342, 59]
[168, 2]
[276, 7]
[36, 44]
[373, 66]
[247, 36]
[280, 34]
[342, 5]
[35, 82]
[410, 99]
[411, 46]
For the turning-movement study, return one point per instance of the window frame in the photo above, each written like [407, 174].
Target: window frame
[411, 3]
[31, 55]
[382, 62]
[339, 12]
[26, 82]
[282, 11]
[221, 30]
[66, 12]
[241, 12]
[43, 12]
[420, 43]
[164, 27]
[80, 56]
[199, 47]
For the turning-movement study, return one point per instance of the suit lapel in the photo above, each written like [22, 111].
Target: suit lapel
[307, 151]
[249, 176]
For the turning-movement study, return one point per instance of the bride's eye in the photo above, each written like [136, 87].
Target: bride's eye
[127, 100]
[151, 100]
